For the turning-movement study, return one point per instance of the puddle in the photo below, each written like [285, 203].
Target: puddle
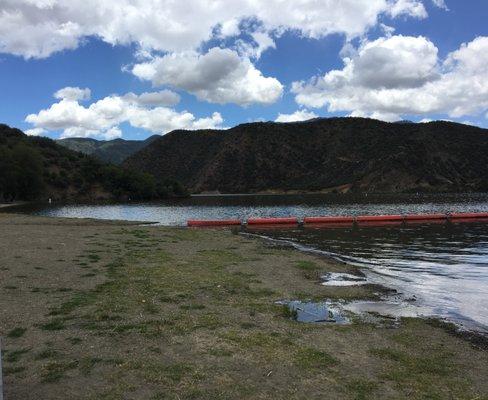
[384, 314]
[342, 279]
[321, 312]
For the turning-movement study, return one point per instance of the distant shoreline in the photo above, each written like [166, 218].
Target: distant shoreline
[14, 204]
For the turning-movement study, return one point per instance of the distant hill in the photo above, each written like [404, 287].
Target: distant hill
[37, 168]
[336, 154]
[111, 151]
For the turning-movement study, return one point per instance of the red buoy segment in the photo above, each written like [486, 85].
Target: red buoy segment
[468, 215]
[346, 221]
[425, 217]
[328, 220]
[380, 218]
[224, 222]
[273, 221]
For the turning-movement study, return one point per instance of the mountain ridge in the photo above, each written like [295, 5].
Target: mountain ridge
[38, 168]
[325, 154]
[112, 151]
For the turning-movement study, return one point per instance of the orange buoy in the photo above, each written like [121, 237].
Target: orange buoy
[224, 222]
[273, 221]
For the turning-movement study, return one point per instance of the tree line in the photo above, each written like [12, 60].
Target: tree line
[33, 168]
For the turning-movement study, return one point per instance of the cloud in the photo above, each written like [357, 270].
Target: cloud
[219, 76]
[73, 93]
[402, 75]
[162, 98]
[299, 115]
[35, 132]
[413, 8]
[39, 28]
[440, 4]
[102, 118]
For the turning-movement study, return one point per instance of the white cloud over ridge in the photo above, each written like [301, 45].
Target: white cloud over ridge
[299, 115]
[402, 75]
[39, 28]
[73, 93]
[219, 76]
[101, 119]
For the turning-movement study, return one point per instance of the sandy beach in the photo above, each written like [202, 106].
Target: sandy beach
[115, 310]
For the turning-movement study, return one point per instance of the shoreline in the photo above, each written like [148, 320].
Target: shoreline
[14, 204]
[102, 309]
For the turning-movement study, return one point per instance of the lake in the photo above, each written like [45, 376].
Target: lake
[438, 269]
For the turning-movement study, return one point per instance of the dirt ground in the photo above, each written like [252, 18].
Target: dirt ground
[107, 310]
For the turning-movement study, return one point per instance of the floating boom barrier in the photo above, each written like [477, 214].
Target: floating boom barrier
[344, 220]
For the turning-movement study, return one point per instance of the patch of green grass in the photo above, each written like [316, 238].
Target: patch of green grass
[309, 269]
[46, 353]
[286, 311]
[217, 352]
[13, 370]
[74, 340]
[362, 389]
[407, 366]
[16, 332]
[54, 371]
[87, 364]
[55, 324]
[307, 266]
[192, 306]
[160, 373]
[310, 359]
[248, 325]
[78, 300]
[93, 258]
[15, 355]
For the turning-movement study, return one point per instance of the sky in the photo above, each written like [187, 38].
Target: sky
[134, 68]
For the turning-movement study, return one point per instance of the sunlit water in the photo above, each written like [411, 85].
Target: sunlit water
[443, 267]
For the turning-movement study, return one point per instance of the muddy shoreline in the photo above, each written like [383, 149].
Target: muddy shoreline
[93, 309]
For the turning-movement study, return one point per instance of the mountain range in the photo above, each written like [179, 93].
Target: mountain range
[334, 154]
[111, 151]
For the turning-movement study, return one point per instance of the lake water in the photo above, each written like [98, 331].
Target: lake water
[438, 269]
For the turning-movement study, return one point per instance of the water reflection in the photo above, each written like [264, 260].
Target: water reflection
[177, 212]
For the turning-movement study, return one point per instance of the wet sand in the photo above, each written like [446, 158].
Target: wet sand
[113, 310]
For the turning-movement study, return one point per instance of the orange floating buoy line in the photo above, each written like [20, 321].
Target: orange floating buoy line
[345, 220]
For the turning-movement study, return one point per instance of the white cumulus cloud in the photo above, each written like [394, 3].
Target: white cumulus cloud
[35, 132]
[219, 76]
[39, 28]
[73, 93]
[299, 115]
[402, 75]
[102, 118]
[165, 97]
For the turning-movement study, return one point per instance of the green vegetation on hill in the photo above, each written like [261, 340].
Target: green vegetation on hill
[34, 168]
[336, 154]
[111, 151]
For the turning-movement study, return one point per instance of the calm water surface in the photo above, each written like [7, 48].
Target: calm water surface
[443, 267]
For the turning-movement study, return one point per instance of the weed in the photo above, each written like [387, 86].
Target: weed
[16, 332]
[309, 358]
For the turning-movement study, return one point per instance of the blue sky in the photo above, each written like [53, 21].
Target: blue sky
[162, 69]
